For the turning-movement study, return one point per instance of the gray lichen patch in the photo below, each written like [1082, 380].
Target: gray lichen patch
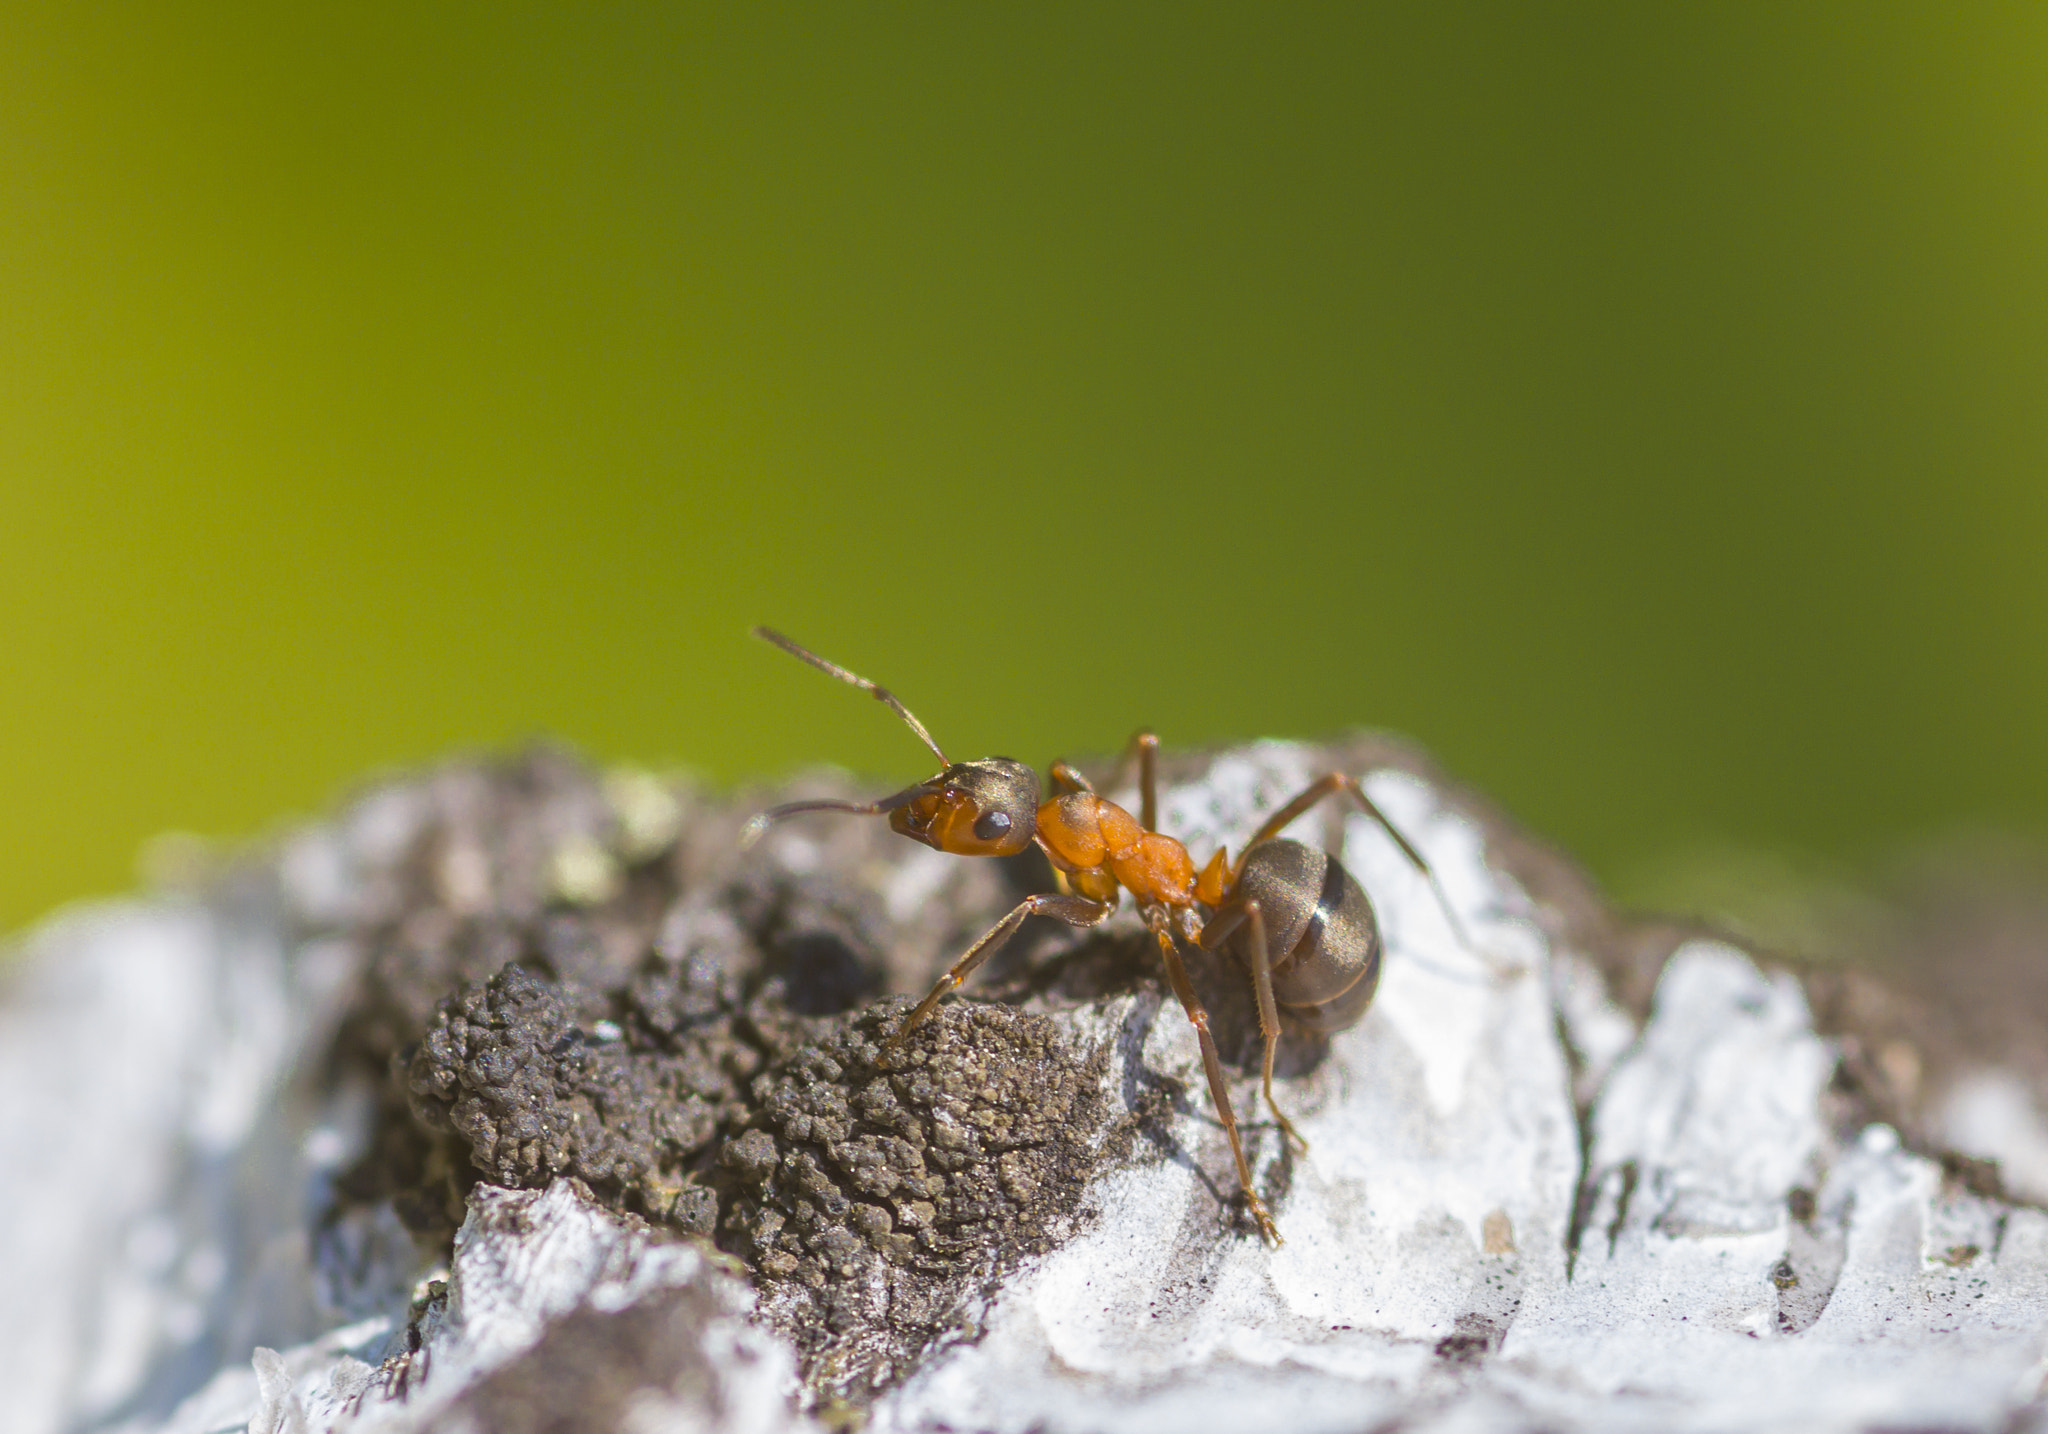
[880, 1195]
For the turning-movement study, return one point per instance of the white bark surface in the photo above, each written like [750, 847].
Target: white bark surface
[524, 1261]
[1693, 1242]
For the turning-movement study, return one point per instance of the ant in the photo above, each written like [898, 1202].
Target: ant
[1302, 927]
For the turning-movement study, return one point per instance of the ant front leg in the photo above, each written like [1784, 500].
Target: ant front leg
[1219, 1092]
[1074, 910]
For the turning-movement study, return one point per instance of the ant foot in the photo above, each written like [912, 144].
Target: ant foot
[891, 1044]
[1293, 1136]
[1260, 1216]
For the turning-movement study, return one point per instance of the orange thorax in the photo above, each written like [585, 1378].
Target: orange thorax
[1087, 835]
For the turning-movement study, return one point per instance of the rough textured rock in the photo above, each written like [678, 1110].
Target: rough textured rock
[1644, 1179]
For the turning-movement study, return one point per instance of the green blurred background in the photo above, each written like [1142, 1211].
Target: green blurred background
[1645, 407]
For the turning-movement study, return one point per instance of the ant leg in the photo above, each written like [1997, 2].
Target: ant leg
[1314, 792]
[1070, 779]
[1074, 910]
[1148, 780]
[1343, 782]
[1144, 746]
[1220, 929]
[1177, 975]
[1269, 1016]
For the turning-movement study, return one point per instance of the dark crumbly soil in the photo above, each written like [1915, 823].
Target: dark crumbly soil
[878, 1195]
[874, 1198]
[521, 1031]
[506, 1068]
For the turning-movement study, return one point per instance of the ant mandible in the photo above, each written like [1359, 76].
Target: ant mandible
[1327, 935]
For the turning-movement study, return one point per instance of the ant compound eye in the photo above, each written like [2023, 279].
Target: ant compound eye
[993, 826]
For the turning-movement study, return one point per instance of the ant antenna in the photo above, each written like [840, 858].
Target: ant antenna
[880, 694]
[759, 823]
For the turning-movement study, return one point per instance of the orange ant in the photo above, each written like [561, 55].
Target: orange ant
[1327, 935]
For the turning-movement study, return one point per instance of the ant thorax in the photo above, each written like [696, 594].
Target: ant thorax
[1088, 834]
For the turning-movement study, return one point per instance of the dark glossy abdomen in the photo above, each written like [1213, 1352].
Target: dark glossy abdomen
[1322, 923]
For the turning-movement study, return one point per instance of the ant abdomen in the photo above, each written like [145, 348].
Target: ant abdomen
[1323, 940]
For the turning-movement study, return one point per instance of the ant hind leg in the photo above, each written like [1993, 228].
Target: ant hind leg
[1212, 1065]
[1220, 928]
[1334, 782]
[1269, 1018]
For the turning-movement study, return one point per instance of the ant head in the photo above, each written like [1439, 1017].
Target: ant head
[985, 808]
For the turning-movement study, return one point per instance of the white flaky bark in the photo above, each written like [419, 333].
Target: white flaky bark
[1521, 1206]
